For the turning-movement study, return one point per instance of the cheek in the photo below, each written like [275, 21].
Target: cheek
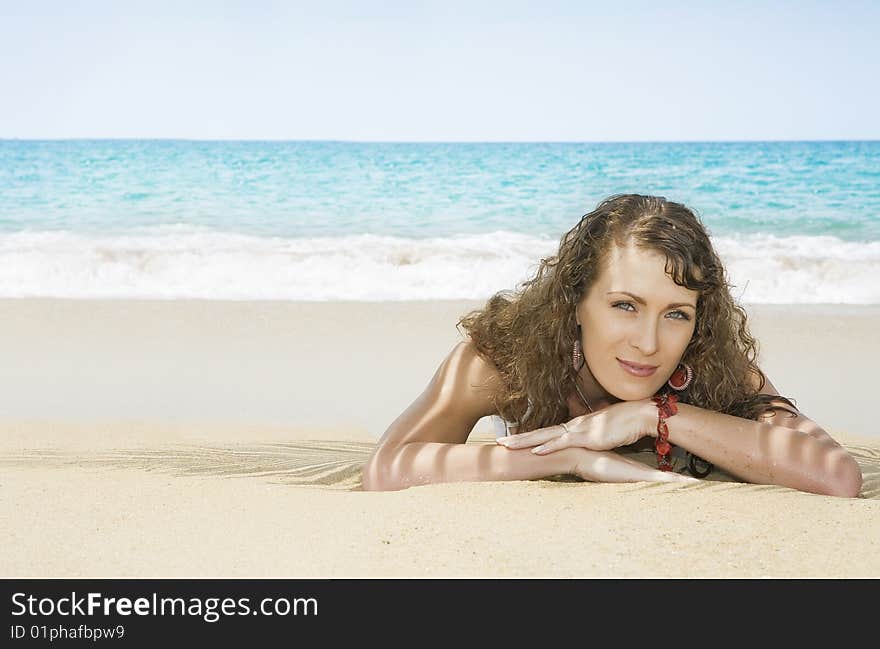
[605, 326]
[678, 337]
[688, 334]
[604, 337]
[610, 327]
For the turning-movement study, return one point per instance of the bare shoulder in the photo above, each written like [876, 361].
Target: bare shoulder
[462, 390]
[479, 373]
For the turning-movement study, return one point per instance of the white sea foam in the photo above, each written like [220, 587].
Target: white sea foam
[171, 262]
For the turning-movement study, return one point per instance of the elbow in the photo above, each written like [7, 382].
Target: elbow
[372, 477]
[851, 485]
[377, 473]
[846, 476]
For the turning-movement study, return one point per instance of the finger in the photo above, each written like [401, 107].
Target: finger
[563, 441]
[670, 476]
[533, 438]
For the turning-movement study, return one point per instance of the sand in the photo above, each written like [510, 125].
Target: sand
[225, 439]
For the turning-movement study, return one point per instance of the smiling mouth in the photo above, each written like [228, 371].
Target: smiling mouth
[636, 366]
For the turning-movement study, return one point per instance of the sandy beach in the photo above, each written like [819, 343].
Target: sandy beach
[225, 439]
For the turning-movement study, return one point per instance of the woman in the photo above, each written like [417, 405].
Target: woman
[636, 283]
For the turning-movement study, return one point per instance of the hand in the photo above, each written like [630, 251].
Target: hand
[608, 466]
[620, 424]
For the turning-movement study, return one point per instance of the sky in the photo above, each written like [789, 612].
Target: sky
[440, 71]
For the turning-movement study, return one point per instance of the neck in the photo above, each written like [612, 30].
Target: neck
[597, 396]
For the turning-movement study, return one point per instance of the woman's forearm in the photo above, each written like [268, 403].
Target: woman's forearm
[418, 463]
[763, 453]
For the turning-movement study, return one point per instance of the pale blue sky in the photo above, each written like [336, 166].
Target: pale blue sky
[440, 71]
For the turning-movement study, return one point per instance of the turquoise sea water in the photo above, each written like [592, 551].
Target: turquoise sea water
[794, 221]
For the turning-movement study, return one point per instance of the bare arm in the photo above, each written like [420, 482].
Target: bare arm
[418, 463]
[426, 463]
[765, 453]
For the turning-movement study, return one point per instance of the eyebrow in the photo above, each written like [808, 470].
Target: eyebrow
[641, 300]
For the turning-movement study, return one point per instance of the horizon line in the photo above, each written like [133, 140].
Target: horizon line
[345, 141]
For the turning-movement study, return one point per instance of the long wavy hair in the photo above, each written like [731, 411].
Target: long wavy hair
[528, 334]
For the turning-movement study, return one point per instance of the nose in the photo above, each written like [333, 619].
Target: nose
[645, 337]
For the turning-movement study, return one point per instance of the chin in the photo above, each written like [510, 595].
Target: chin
[624, 395]
[637, 394]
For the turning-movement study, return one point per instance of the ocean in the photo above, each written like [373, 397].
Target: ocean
[794, 222]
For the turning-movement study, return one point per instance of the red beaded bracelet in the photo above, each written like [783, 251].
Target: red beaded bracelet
[665, 408]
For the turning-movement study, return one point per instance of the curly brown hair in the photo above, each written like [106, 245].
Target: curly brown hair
[528, 334]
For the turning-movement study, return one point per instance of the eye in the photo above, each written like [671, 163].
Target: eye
[681, 314]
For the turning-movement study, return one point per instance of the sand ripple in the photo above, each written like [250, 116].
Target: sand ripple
[309, 463]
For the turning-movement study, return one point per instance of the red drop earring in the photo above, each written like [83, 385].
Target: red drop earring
[681, 377]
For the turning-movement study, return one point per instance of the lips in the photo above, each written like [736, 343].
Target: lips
[635, 369]
[637, 366]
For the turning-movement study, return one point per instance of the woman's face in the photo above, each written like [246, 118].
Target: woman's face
[617, 327]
